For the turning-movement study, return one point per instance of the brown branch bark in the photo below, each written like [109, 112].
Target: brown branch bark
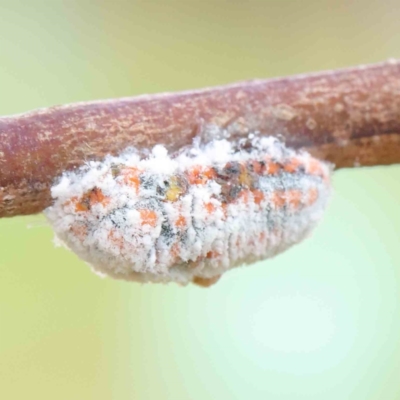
[349, 117]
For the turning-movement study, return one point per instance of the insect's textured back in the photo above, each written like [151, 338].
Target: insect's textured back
[189, 216]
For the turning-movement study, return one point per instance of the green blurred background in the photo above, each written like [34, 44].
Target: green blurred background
[321, 321]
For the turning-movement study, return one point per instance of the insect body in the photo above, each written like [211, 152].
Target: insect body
[189, 216]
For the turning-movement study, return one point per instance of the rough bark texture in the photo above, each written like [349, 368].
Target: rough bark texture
[349, 117]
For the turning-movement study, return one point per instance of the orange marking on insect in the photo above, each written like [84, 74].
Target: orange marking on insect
[89, 199]
[131, 177]
[292, 166]
[209, 173]
[210, 207]
[312, 196]
[314, 168]
[199, 175]
[80, 206]
[148, 217]
[244, 196]
[272, 168]
[278, 198]
[294, 198]
[97, 196]
[213, 254]
[258, 196]
[180, 221]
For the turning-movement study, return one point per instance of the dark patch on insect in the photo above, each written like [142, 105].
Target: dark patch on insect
[167, 232]
[301, 169]
[118, 217]
[147, 181]
[245, 145]
[148, 204]
[232, 168]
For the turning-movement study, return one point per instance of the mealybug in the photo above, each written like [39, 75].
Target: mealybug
[192, 215]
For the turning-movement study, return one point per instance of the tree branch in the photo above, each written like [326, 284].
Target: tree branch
[349, 117]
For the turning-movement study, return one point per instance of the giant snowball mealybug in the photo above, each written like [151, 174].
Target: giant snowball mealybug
[191, 215]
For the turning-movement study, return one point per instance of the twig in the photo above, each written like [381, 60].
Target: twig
[349, 117]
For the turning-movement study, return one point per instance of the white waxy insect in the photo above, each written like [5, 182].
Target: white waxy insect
[192, 215]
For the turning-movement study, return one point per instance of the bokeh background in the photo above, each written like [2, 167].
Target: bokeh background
[320, 321]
